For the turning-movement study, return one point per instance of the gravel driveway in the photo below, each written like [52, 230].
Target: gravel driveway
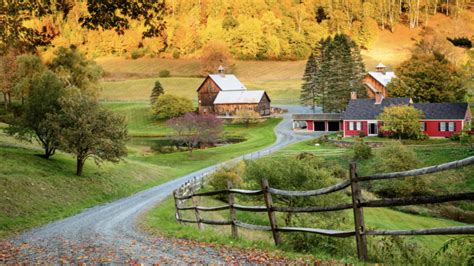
[108, 233]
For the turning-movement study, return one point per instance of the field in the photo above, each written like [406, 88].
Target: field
[132, 80]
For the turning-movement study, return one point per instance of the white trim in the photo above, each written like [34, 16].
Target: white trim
[376, 122]
[441, 120]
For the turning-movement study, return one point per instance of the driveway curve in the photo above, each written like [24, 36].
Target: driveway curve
[108, 233]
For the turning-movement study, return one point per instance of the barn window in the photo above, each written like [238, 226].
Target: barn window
[351, 125]
[423, 126]
[359, 125]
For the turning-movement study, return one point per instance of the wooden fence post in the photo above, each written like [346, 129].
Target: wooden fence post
[196, 212]
[176, 205]
[233, 215]
[358, 215]
[271, 215]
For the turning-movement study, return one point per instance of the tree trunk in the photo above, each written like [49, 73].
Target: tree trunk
[79, 166]
[5, 101]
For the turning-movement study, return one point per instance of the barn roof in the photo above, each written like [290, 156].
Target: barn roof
[442, 110]
[231, 97]
[366, 109]
[227, 82]
[384, 79]
[316, 117]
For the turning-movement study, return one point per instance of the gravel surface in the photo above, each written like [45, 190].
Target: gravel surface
[108, 233]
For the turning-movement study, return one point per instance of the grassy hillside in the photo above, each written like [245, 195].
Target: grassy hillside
[36, 191]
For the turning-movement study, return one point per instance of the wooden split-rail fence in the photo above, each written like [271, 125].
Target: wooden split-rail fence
[189, 191]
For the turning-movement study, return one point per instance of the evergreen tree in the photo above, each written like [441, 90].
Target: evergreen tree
[341, 71]
[308, 92]
[156, 92]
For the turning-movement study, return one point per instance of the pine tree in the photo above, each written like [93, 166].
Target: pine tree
[308, 93]
[340, 71]
[156, 92]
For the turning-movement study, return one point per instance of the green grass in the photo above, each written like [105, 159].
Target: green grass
[257, 136]
[36, 191]
[139, 90]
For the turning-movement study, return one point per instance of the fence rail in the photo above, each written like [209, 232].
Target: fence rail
[188, 191]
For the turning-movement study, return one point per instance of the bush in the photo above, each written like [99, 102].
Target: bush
[246, 117]
[362, 134]
[164, 73]
[395, 157]
[218, 180]
[170, 106]
[303, 172]
[455, 137]
[362, 151]
[137, 53]
[321, 140]
[176, 54]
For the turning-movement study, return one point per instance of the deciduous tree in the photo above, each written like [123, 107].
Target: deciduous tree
[428, 78]
[29, 68]
[8, 68]
[90, 131]
[170, 106]
[214, 54]
[402, 121]
[191, 129]
[76, 71]
[43, 101]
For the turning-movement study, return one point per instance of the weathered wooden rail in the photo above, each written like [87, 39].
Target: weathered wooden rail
[188, 191]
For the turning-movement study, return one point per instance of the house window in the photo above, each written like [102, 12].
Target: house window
[442, 126]
[451, 127]
[359, 125]
[423, 126]
[351, 125]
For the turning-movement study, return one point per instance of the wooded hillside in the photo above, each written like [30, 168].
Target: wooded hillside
[251, 29]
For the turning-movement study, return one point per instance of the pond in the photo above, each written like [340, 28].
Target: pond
[168, 145]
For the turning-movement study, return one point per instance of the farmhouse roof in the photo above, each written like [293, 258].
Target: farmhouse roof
[316, 117]
[227, 82]
[232, 97]
[366, 109]
[383, 78]
[442, 110]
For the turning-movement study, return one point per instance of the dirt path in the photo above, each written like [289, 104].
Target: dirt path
[108, 233]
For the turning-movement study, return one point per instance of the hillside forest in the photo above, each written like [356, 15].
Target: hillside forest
[247, 29]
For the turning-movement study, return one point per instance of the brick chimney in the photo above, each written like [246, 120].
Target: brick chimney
[221, 71]
[353, 95]
[378, 98]
[380, 68]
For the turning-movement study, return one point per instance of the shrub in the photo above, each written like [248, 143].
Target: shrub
[395, 157]
[361, 134]
[164, 73]
[304, 172]
[455, 137]
[218, 180]
[176, 54]
[321, 140]
[362, 151]
[246, 117]
[170, 106]
[137, 53]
